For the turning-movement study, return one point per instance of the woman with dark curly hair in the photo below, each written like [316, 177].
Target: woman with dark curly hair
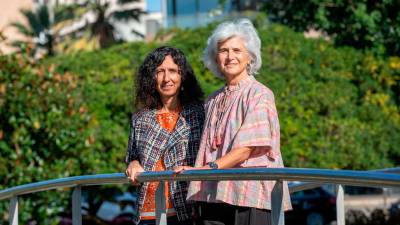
[165, 130]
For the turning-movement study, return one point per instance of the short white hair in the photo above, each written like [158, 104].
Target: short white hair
[242, 28]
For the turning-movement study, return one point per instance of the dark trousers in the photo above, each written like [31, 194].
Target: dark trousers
[225, 214]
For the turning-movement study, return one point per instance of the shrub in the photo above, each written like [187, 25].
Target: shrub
[46, 128]
[361, 24]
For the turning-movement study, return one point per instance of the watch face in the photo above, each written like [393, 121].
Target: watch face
[213, 165]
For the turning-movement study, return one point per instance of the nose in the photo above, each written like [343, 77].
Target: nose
[167, 76]
[229, 55]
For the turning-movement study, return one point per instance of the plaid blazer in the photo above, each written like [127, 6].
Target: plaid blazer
[149, 141]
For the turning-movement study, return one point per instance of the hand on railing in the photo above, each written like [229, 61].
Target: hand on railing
[180, 169]
[133, 170]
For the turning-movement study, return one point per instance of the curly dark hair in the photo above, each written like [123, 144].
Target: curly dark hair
[147, 96]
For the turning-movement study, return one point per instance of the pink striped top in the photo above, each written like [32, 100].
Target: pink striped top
[242, 115]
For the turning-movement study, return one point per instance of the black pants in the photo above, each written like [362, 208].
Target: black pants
[171, 220]
[225, 214]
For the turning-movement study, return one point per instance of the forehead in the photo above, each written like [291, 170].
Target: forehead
[232, 42]
[168, 62]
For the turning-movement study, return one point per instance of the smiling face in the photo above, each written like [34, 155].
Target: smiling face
[168, 79]
[232, 59]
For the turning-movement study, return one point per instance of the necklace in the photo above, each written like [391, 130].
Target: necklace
[221, 109]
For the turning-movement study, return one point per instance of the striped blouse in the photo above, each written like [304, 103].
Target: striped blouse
[242, 115]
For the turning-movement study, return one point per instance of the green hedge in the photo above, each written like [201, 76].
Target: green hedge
[362, 24]
[46, 131]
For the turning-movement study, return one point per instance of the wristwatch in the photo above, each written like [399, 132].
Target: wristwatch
[213, 165]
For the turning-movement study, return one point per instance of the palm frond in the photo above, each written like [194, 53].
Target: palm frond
[138, 33]
[2, 36]
[33, 21]
[20, 44]
[43, 16]
[127, 14]
[64, 13]
[23, 29]
[38, 29]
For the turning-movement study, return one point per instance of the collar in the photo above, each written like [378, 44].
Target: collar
[244, 82]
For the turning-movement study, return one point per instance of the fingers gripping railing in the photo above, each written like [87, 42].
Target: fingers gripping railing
[314, 177]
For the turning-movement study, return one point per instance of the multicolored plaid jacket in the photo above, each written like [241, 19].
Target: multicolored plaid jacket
[149, 141]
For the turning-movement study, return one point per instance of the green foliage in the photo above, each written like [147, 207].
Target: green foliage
[44, 122]
[47, 131]
[336, 106]
[363, 24]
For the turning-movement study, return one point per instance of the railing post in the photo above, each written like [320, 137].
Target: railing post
[13, 211]
[278, 216]
[340, 217]
[76, 206]
[161, 215]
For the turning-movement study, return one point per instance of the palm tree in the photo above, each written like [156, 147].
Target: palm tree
[2, 40]
[102, 27]
[38, 30]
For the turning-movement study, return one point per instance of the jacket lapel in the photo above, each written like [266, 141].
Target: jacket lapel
[156, 151]
[181, 131]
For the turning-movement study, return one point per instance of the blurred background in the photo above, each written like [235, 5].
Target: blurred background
[67, 69]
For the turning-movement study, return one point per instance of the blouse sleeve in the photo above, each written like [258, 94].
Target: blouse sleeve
[131, 152]
[259, 129]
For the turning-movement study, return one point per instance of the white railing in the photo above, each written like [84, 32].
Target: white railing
[311, 178]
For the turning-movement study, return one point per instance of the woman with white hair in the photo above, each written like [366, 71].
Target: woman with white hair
[241, 130]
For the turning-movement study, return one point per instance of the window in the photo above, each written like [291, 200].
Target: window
[153, 5]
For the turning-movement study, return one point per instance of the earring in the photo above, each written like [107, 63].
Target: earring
[248, 68]
[182, 88]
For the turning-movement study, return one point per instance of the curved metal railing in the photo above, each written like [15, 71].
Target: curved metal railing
[311, 177]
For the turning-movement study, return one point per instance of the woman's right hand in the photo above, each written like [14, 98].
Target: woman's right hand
[133, 170]
[180, 169]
